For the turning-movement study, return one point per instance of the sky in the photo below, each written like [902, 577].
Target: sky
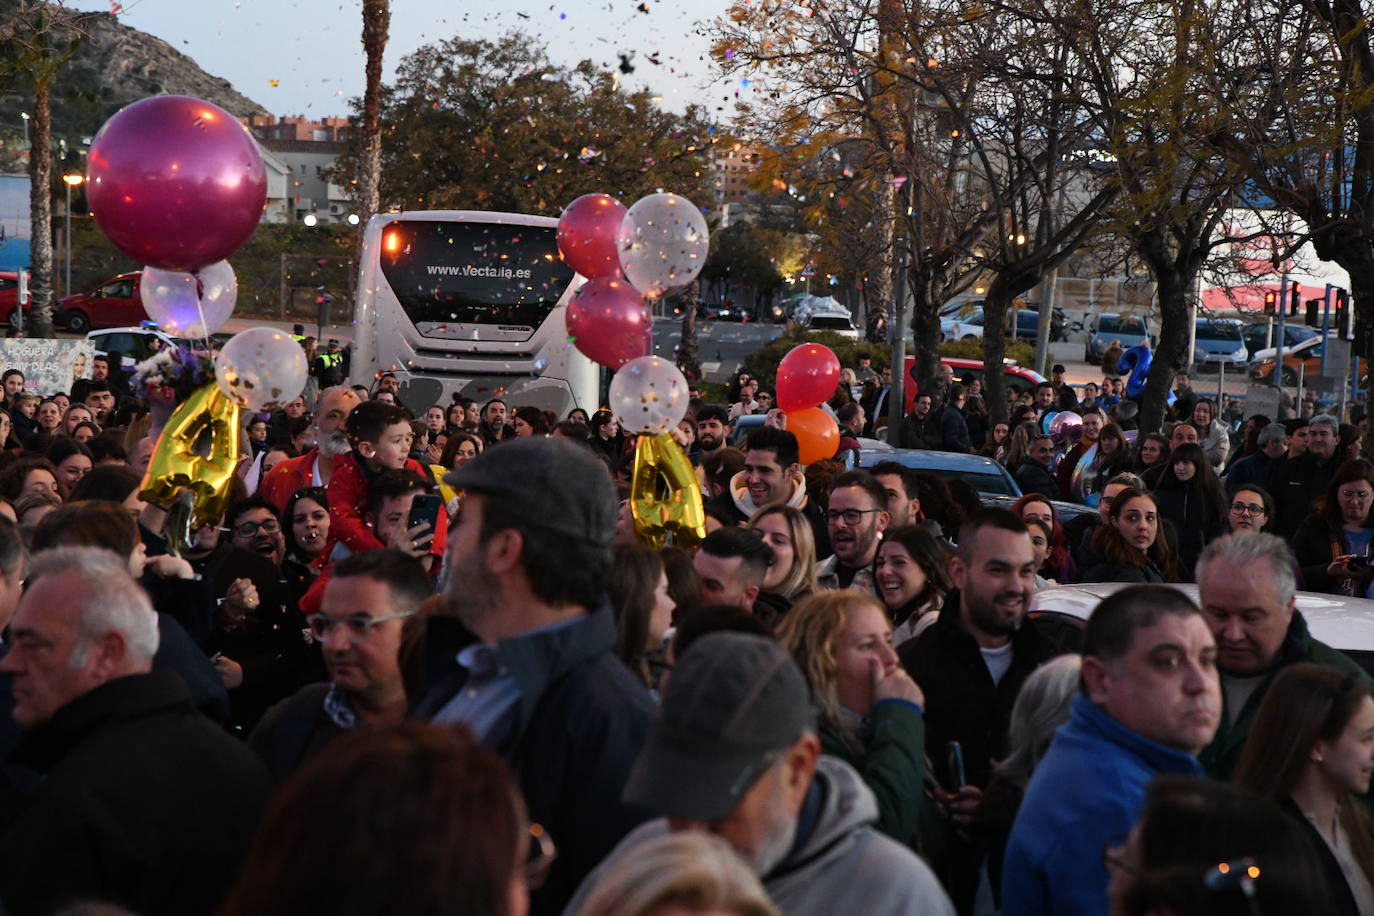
[305, 56]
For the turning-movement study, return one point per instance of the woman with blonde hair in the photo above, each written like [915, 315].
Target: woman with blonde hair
[792, 575]
[683, 874]
[870, 708]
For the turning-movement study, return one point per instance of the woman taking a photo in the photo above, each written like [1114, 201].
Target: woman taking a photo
[1333, 544]
[911, 571]
[792, 575]
[999, 436]
[1310, 752]
[1128, 547]
[1191, 497]
[870, 713]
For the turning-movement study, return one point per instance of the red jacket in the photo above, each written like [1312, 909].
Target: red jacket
[348, 503]
[287, 477]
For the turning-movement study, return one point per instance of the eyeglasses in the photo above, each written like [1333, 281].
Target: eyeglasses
[359, 625]
[1248, 509]
[542, 855]
[850, 516]
[1356, 494]
[248, 529]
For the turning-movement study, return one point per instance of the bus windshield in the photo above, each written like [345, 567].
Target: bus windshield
[474, 272]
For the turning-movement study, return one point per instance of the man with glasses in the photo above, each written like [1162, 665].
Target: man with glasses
[856, 518]
[1295, 483]
[1150, 702]
[363, 621]
[1246, 584]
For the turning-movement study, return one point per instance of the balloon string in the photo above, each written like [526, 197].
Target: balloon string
[200, 312]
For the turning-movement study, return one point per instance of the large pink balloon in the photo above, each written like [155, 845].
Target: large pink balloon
[807, 376]
[175, 182]
[609, 322]
[587, 235]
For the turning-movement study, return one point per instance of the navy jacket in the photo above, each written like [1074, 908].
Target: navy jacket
[581, 721]
[1089, 789]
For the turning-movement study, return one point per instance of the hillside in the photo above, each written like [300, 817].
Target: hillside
[113, 66]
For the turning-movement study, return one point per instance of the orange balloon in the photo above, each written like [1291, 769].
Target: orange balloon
[818, 435]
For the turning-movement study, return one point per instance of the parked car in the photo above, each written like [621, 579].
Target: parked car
[1307, 355]
[1218, 340]
[1102, 330]
[966, 321]
[133, 344]
[114, 304]
[834, 322]
[1018, 378]
[1258, 337]
[1340, 622]
[9, 297]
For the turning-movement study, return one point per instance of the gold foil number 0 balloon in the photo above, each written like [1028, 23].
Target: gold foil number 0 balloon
[665, 497]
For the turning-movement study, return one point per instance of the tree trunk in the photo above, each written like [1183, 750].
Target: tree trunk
[1362, 301]
[925, 336]
[995, 348]
[40, 206]
[688, 359]
[882, 296]
[1174, 287]
[376, 28]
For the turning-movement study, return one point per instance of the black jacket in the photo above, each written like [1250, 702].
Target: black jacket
[962, 702]
[1252, 470]
[921, 432]
[582, 719]
[145, 803]
[1034, 477]
[1108, 571]
[1295, 483]
[1315, 545]
[1195, 521]
[1339, 900]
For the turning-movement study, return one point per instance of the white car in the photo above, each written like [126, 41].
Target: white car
[834, 322]
[1343, 623]
[962, 327]
[133, 344]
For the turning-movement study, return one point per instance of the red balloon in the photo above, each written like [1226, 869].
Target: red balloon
[587, 235]
[609, 322]
[175, 182]
[807, 376]
[818, 435]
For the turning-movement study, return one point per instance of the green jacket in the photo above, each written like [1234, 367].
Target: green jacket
[1220, 757]
[892, 763]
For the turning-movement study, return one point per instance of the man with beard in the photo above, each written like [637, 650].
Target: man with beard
[971, 664]
[1150, 702]
[772, 476]
[713, 423]
[522, 651]
[856, 520]
[494, 428]
[315, 467]
[735, 752]
[1246, 584]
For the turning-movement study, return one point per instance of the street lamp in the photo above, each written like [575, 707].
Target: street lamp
[71, 180]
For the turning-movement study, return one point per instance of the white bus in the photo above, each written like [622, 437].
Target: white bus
[469, 303]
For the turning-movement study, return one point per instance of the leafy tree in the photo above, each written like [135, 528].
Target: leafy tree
[496, 126]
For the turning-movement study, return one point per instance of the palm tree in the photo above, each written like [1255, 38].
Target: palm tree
[376, 29]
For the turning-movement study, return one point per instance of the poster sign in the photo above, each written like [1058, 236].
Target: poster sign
[49, 366]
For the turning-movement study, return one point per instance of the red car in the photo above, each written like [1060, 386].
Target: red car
[1018, 378]
[9, 295]
[114, 304]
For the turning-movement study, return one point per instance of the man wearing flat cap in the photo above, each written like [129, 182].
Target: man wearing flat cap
[735, 752]
[522, 652]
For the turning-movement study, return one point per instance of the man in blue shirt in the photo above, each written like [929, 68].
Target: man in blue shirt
[1151, 702]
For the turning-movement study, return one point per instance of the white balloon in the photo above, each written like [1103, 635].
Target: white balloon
[261, 369]
[648, 395]
[663, 243]
[190, 305]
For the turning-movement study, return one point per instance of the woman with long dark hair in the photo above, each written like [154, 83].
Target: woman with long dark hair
[1191, 497]
[1129, 547]
[530, 421]
[638, 589]
[1059, 565]
[912, 575]
[1333, 544]
[1113, 457]
[1150, 450]
[1310, 751]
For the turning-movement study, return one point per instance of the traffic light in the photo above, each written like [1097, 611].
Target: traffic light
[1314, 312]
[1342, 317]
[1270, 298]
[1293, 297]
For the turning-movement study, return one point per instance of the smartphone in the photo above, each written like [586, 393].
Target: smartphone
[954, 755]
[1357, 564]
[426, 508]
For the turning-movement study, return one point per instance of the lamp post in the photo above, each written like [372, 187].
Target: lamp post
[71, 180]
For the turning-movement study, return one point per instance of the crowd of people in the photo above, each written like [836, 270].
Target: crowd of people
[425, 663]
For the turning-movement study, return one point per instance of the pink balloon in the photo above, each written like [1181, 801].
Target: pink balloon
[609, 322]
[175, 182]
[587, 235]
[807, 376]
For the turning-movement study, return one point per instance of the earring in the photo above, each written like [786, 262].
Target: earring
[1317, 758]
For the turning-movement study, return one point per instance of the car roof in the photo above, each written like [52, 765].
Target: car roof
[1343, 623]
